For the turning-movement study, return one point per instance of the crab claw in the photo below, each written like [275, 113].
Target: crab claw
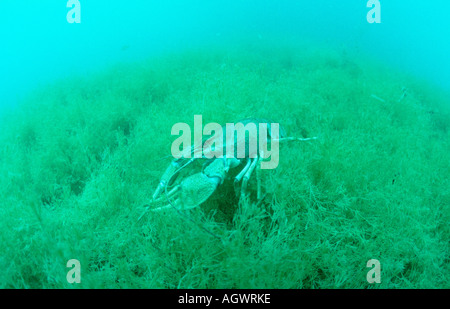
[192, 192]
[195, 189]
[170, 173]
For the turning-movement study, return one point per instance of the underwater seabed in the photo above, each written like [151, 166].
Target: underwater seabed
[81, 158]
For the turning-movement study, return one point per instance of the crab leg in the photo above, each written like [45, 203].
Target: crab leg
[247, 175]
[258, 178]
[241, 174]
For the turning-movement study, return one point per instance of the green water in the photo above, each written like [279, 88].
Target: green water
[80, 158]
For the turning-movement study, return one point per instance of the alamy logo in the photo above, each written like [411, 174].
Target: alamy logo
[74, 14]
[374, 275]
[74, 274]
[374, 15]
[239, 140]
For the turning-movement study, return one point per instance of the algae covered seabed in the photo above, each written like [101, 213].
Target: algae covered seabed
[80, 158]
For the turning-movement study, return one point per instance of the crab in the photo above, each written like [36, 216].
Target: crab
[196, 188]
